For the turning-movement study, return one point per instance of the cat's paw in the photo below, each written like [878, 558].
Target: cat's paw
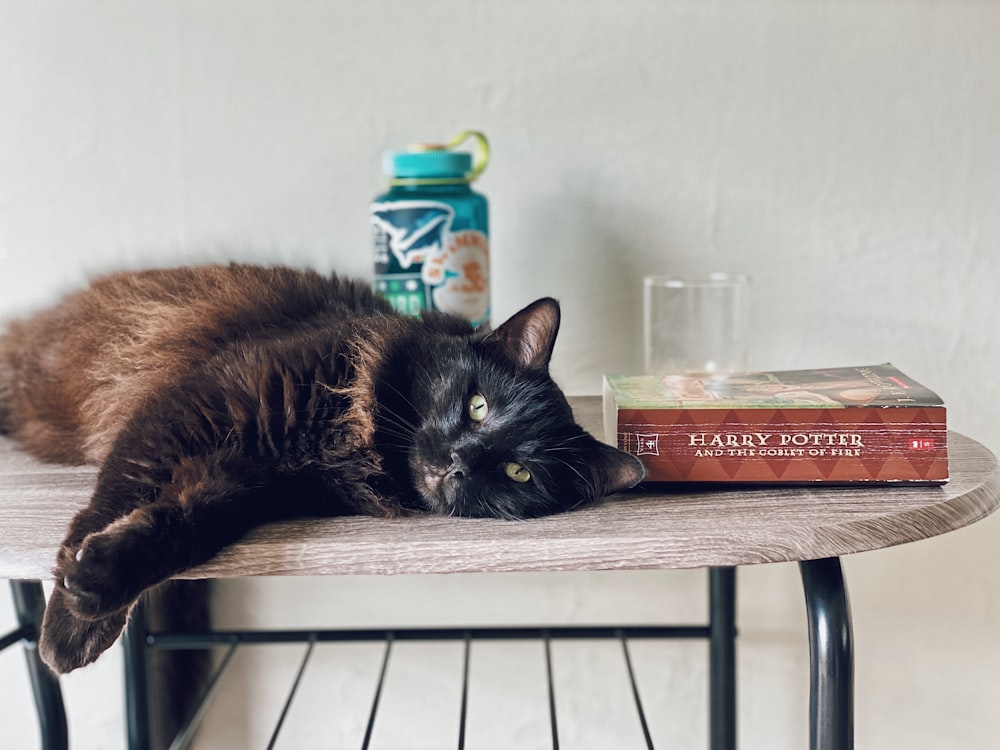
[68, 642]
[97, 578]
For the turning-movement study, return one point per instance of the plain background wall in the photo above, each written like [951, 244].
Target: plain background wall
[843, 153]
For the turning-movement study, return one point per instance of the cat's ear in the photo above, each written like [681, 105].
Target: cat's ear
[614, 470]
[528, 336]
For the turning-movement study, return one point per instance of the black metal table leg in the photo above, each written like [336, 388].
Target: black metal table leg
[136, 679]
[831, 686]
[29, 604]
[722, 658]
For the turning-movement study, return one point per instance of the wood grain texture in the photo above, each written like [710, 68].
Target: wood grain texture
[653, 527]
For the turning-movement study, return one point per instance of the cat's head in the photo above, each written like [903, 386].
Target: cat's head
[491, 435]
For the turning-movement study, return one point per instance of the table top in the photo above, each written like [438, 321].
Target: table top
[651, 527]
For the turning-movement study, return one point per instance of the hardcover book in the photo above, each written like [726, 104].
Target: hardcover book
[838, 425]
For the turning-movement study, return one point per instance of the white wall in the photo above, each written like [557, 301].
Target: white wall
[844, 153]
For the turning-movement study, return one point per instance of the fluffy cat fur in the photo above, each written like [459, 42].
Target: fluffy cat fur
[218, 398]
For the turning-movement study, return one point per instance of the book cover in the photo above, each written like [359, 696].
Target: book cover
[837, 426]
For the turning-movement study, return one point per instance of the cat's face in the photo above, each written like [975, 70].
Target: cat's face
[493, 436]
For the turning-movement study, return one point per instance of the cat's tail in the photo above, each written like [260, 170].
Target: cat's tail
[6, 425]
[177, 678]
[6, 388]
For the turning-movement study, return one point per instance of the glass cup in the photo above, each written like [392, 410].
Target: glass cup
[695, 323]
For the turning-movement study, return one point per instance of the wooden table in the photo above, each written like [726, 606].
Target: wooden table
[654, 527]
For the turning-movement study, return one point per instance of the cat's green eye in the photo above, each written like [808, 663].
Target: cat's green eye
[517, 472]
[478, 408]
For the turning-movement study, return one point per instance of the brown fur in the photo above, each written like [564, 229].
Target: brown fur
[101, 360]
[73, 377]
[219, 398]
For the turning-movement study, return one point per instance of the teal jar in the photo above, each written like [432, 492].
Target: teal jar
[431, 231]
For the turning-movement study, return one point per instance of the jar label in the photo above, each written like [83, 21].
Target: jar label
[422, 264]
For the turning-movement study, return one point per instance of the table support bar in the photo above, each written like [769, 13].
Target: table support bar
[552, 690]
[137, 714]
[291, 694]
[378, 693]
[186, 734]
[635, 694]
[139, 642]
[722, 658]
[464, 710]
[831, 689]
[29, 604]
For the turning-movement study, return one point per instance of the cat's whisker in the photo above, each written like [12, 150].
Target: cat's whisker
[586, 481]
[402, 395]
[405, 437]
[396, 420]
[392, 424]
[390, 427]
[564, 444]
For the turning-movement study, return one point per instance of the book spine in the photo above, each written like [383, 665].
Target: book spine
[801, 445]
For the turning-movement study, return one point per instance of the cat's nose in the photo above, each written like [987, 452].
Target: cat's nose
[457, 468]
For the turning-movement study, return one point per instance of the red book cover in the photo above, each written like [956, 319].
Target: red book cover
[836, 426]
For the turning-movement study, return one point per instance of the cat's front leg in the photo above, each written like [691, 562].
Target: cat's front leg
[108, 570]
[207, 504]
[68, 642]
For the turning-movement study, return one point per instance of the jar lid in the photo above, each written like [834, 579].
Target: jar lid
[438, 164]
[427, 162]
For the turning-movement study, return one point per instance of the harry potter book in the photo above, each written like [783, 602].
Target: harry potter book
[843, 425]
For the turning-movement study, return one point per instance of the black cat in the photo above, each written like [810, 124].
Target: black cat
[219, 398]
